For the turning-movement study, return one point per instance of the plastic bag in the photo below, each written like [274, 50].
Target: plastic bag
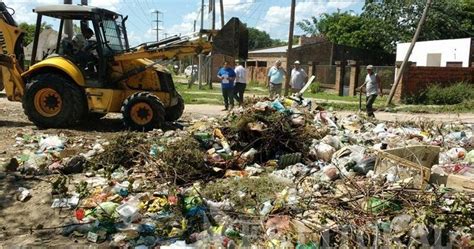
[366, 165]
[333, 141]
[53, 143]
[455, 154]
[322, 151]
[470, 157]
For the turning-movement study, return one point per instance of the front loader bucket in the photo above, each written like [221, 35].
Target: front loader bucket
[232, 40]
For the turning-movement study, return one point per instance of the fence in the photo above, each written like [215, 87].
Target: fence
[417, 79]
[332, 77]
[325, 76]
[257, 74]
[386, 74]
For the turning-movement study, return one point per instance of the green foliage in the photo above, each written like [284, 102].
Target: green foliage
[258, 39]
[439, 95]
[451, 95]
[254, 83]
[384, 23]
[310, 27]
[261, 39]
[30, 30]
[316, 87]
[347, 29]
[447, 19]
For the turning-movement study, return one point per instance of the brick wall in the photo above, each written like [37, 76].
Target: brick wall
[417, 79]
[257, 74]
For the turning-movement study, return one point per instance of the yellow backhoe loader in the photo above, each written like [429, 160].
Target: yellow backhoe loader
[70, 84]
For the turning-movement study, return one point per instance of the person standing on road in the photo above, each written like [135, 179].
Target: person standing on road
[372, 87]
[240, 83]
[275, 79]
[298, 78]
[227, 75]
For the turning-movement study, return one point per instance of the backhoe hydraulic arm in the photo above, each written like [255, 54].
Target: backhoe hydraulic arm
[11, 60]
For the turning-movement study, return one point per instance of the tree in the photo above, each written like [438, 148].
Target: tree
[30, 31]
[384, 23]
[349, 29]
[259, 39]
[310, 27]
[447, 19]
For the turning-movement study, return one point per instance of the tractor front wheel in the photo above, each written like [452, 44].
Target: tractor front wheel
[53, 101]
[143, 111]
[173, 113]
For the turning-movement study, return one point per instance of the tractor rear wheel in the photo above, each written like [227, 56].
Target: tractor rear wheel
[143, 111]
[173, 113]
[53, 101]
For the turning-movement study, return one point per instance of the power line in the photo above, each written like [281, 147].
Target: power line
[158, 21]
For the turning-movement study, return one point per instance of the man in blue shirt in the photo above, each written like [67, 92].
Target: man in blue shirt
[275, 79]
[227, 75]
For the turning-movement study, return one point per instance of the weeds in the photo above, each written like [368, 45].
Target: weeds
[439, 95]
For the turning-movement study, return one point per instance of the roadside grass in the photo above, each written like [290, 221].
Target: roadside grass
[327, 100]
[464, 107]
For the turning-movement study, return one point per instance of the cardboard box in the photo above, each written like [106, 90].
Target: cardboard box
[457, 182]
[408, 162]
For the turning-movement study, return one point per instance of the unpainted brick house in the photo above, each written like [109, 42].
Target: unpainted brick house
[311, 52]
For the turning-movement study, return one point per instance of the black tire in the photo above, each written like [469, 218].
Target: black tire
[173, 113]
[149, 103]
[68, 101]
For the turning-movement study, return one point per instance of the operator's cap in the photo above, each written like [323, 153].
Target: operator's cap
[370, 67]
[297, 62]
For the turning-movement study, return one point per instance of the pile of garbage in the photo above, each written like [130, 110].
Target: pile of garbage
[274, 174]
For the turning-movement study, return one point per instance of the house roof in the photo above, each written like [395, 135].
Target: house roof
[281, 49]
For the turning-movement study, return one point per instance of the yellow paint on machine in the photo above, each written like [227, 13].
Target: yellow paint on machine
[60, 63]
[110, 100]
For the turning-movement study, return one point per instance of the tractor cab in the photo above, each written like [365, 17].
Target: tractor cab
[95, 37]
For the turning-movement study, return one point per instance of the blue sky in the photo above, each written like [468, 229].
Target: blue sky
[178, 16]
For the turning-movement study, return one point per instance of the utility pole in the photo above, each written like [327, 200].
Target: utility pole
[222, 13]
[158, 21]
[290, 46]
[407, 56]
[213, 2]
[200, 60]
[202, 15]
[68, 30]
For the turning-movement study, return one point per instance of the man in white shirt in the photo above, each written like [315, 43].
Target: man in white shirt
[372, 87]
[276, 75]
[240, 82]
[298, 77]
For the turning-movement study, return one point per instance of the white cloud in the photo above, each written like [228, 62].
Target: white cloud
[24, 11]
[106, 4]
[236, 6]
[232, 8]
[341, 4]
[185, 27]
[277, 18]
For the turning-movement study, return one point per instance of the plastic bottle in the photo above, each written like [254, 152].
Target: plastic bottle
[249, 155]
[267, 208]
